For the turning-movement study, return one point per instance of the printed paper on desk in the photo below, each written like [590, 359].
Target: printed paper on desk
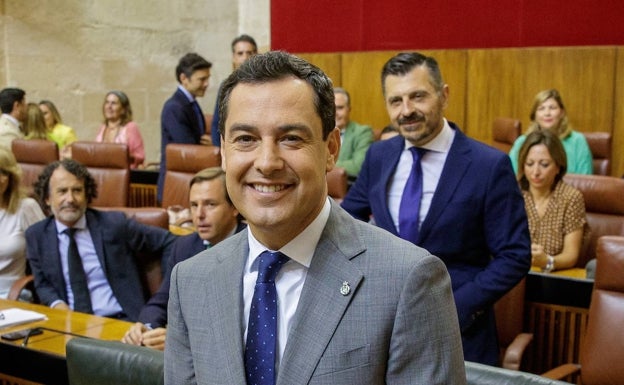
[15, 316]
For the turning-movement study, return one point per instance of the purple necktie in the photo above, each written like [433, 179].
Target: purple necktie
[409, 211]
[261, 346]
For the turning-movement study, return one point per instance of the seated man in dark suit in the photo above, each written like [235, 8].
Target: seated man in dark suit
[215, 218]
[83, 259]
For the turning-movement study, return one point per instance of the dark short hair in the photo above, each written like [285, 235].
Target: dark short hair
[8, 97]
[277, 65]
[211, 173]
[190, 63]
[245, 38]
[405, 62]
[42, 185]
[555, 148]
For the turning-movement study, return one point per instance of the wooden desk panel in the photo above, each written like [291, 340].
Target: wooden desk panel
[46, 352]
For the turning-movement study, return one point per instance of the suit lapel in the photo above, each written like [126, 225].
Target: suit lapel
[228, 286]
[53, 265]
[457, 163]
[96, 234]
[321, 306]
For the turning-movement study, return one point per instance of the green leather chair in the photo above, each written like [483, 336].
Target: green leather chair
[98, 362]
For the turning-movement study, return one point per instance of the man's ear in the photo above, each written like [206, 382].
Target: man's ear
[333, 148]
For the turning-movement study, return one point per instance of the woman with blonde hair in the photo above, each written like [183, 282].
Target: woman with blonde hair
[549, 113]
[118, 126]
[63, 135]
[17, 213]
[555, 210]
[34, 125]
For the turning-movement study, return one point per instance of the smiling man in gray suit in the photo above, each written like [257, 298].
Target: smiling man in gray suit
[342, 302]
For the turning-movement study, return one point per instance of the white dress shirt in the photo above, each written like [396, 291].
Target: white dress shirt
[432, 163]
[289, 281]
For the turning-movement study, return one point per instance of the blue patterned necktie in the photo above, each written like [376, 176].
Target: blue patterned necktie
[77, 276]
[260, 350]
[409, 211]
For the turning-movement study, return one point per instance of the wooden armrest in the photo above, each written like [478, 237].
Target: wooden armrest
[513, 355]
[562, 371]
[19, 285]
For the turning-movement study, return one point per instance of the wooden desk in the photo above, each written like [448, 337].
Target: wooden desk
[43, 360]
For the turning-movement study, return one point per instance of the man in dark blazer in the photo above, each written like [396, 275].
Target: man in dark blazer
[106, 244]
[214, 218]
[349, 304]
[182, 120]
[471, 213]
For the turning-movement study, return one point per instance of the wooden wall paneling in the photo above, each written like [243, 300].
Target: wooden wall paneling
[361, 76]
[328, 62]
[503, 82]
[585, 77]
[617, 165]
[493, 89]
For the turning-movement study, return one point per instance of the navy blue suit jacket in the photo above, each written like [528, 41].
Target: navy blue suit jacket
[476, 224]
[116, 239]
[155, 310]
[179, 124]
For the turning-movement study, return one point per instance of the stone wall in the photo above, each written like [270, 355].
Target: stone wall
[74, 51]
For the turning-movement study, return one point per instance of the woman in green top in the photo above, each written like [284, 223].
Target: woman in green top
[63, 135]
[549, 113]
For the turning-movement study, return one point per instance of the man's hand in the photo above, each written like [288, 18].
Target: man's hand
[206, 140]
[140, 334]
[62, 306]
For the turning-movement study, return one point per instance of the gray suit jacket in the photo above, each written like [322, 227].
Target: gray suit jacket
[398, 324]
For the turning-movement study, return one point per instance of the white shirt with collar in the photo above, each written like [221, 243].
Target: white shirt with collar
[188, 95]
[290, 279]
[432, 164]
[103, 301]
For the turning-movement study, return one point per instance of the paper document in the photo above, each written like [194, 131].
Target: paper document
[15, 316]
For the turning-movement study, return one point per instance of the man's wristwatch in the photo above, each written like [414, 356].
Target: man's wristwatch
[550, 264]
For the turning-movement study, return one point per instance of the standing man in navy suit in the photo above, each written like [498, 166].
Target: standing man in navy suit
[471, 212]
[182, 120]
[214, 218]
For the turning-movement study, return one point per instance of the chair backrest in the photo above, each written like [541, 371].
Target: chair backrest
[604, 207]
[510, 325]
[337, 183]
[150, 265]
[602, 351]
[33, 155]
[600, 146]
[97, 362]
[505, 131]
[109, 164]
[184, 161]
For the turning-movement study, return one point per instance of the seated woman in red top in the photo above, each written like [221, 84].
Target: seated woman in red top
[556, 210]
[118, 127]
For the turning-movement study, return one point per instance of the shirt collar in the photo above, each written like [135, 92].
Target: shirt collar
[188, 95]
[81, 224]
[302, 247]
[441, 143]
[12, 119]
